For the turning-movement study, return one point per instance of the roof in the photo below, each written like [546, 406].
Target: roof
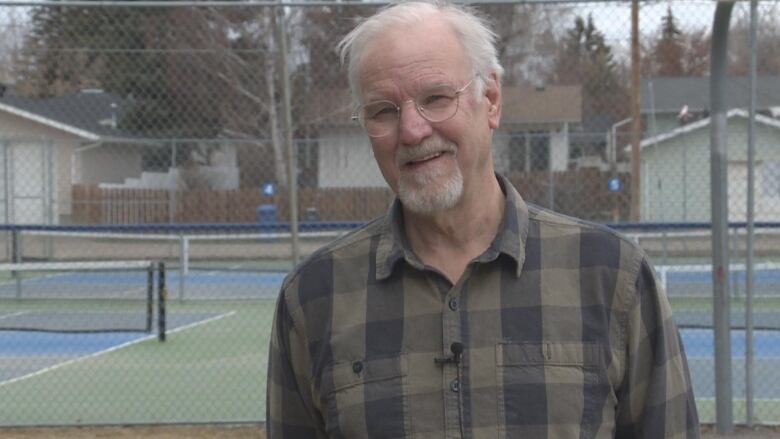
[699, 124]
[521, 105]
[89, 114]
[670, 94]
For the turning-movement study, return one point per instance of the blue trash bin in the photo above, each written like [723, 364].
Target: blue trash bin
[266, 214]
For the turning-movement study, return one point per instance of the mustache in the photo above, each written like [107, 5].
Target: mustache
[429, 146]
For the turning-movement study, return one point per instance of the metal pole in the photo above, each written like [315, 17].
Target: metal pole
[16, 252]
[292, 165]
[7, 194]
[162, 299]
[719, 200]
[550, 176]
[150, 297]
[684, 184]
[51, 196]
[636, 120]
[184, 262]
[751, 158]
[172, 191]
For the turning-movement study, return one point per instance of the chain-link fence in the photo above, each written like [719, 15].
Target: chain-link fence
[149, 133]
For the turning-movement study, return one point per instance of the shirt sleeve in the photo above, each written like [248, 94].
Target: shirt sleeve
[656, 399]
[290, 408]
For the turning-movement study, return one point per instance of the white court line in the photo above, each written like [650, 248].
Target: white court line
[201, 322]
[99, 353]
[16, 314]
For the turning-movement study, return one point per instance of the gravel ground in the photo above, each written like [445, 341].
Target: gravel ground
[251, 432]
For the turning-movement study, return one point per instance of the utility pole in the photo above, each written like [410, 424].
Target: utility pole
[636, 117]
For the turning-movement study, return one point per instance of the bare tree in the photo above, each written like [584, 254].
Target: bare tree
[768, 41]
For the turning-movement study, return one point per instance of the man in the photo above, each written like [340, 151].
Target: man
[465, 312]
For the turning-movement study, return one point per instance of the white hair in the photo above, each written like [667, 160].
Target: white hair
[471, 29]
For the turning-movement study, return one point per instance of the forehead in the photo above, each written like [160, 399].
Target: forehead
[406, 58]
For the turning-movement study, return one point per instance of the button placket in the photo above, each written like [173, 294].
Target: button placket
[451, 325]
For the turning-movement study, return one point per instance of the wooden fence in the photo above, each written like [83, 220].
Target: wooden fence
[581, 193]
[93, 205]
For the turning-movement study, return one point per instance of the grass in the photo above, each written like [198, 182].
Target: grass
[212, 372]
[737, 304]
[765, 411]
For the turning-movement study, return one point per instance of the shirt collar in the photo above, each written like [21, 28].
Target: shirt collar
[510, 239]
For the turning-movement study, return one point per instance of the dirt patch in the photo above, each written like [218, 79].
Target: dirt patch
[767, 432]
[256, 432]
[161, 432]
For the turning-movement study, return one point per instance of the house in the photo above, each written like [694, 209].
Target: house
[675, 169]
[533, 134]
[535, 126]
[47, 145]
[675, 157]
[669, 102]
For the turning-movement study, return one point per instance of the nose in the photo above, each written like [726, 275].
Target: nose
[412, 127]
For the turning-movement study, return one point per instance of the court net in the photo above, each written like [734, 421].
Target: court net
[96, 296]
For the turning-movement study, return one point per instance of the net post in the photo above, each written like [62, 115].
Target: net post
[149, 296]
[163, 295]
[184, 262]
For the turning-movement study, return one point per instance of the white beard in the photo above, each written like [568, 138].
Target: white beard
[422, 193]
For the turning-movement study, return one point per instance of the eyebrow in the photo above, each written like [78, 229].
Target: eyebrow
[420, 87]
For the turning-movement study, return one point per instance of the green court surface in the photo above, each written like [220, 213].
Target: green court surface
[212, 370]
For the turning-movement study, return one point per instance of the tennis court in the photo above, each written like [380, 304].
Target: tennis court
[211, 368]
[218, 339]
[80, 344]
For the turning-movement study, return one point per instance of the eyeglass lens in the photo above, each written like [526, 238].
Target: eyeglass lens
[435, 105]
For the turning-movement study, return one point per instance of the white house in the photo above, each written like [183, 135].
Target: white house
[675, 168]
[47, 145]
[670, 102]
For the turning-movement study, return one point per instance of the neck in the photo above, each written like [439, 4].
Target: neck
[448, 240]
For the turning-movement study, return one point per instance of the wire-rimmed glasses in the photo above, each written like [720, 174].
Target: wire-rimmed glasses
[437, 104]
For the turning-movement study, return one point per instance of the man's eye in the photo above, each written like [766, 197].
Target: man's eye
[436, 100]
[381, 112]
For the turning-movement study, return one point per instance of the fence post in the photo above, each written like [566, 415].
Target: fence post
[751, 153]
[292, 161]
[719, 214]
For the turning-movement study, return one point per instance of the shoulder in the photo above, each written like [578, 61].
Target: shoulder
[559, 225]
[318, 268]
[595, 246]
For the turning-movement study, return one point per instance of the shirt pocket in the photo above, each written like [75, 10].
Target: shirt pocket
[551, 389]
[367, 398]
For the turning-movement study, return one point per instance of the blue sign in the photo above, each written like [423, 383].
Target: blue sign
[614, 184]
[269, 189]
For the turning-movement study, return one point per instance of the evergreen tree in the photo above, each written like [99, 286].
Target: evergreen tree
[668, 52]
[586, 59]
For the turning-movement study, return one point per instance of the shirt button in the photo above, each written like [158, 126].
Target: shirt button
[453, 304]
[455, 386]
[357, 366]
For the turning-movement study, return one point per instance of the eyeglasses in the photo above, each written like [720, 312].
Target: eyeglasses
[437, 104]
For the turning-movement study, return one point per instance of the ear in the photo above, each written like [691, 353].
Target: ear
[493, 95]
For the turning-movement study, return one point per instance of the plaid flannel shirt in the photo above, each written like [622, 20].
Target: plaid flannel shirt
[564, 329]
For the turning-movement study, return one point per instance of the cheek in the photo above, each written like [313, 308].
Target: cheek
[384, 154]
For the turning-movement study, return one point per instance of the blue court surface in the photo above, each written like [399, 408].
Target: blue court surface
[196, 284]
[760, 276]
[120, 277]
[28, 353]
[701, 343]
[20, 343]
